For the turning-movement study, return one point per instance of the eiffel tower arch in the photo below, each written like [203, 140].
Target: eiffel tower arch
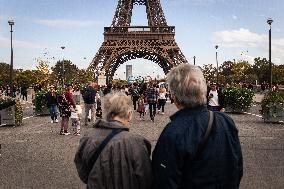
[122, 42]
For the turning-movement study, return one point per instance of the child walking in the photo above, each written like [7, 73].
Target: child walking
[76, 119]
[141, 106]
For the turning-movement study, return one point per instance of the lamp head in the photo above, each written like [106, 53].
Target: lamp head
[216, 47]
[62, 47]
[11, 22]
[269, 21]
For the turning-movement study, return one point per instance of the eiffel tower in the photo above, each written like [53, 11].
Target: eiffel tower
[122, 42]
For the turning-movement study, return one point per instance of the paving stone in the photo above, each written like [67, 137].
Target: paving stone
[36, 156]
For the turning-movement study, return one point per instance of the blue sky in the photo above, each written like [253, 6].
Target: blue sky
[238, 26]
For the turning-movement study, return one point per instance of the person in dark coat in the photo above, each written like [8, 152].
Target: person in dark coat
[179, 161]
[89, 97]
[51, 99]
[124, 163]
[24, 92]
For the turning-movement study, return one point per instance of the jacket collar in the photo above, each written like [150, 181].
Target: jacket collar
[189, 111]
[100, 123]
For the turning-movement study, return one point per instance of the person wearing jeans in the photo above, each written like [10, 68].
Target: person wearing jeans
[51, 98]
[152, 96]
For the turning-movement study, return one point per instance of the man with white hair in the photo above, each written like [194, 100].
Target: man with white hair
[198, 148]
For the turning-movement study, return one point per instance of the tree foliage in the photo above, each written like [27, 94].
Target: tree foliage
[43, 72]
[243, 71]
[27, 77]
[4, 74]
[72, 74]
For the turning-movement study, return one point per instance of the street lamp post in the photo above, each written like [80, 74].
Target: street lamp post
[269, 22]
[216, 47]
[194, 60]
[63, 67]
[11, 23]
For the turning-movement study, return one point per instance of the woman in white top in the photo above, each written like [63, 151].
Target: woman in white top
[162, 100]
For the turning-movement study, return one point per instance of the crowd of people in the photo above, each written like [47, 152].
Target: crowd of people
[198, 148]
[21, 91]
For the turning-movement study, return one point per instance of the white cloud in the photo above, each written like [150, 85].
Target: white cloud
[67, 23]
[5, 43]
[239, 38]
[234, 17]
[244, 38]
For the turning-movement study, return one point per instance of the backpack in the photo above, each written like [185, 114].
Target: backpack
[89, 96]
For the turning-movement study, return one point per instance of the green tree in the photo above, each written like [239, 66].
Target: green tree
[227, 71]
[4, 74]
[71, 72]
[210, 72]
[27, 77]
[42, 72]
[84, 75]
[261, 69]
[278, 74]
[241, 71]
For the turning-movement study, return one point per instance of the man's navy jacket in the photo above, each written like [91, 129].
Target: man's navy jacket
[220, 165]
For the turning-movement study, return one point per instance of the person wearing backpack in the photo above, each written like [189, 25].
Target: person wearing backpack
[109, 156]
[89, 97]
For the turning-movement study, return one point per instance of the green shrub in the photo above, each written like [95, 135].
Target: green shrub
[40, 100]
[6, 102]
[18, 113]
[270, 102]
[239, 99]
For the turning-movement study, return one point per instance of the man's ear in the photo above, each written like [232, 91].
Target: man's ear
[129, 116]
[177, 103]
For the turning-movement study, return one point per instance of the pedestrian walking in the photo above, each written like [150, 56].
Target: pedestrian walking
[162, 100]
[197, 148]
[65, 102]
[89, 97]
[109, 156]
[152, 97]
[24, 92]
[135, 95]
[51, 99]
[76, 119]
[141, 106]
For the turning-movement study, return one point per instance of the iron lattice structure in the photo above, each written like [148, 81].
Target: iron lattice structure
[122, 42]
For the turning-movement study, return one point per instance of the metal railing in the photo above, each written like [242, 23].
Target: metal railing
[140, 29]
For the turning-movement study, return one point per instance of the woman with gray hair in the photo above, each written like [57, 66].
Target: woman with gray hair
[197, 149]
[109, 156]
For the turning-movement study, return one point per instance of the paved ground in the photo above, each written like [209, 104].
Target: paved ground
[35, 156]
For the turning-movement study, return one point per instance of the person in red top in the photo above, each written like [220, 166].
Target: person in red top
[65, 103]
